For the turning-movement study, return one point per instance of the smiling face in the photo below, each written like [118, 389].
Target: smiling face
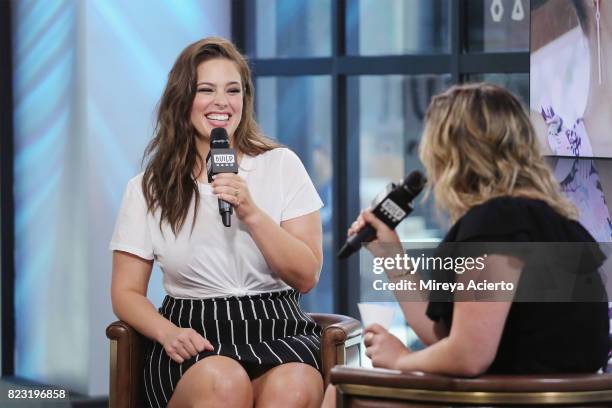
[219, 97]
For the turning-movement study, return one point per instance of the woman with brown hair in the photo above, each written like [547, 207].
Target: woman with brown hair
[485, 170]
[230, 331]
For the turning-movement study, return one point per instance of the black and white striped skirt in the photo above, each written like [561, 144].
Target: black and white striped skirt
[263, 330]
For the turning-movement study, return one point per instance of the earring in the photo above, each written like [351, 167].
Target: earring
[597, 18]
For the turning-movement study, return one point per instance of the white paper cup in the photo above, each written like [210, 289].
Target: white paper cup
[373, 313]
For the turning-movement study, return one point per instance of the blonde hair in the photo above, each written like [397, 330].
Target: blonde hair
[478, 144]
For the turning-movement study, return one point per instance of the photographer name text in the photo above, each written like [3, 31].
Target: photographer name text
[433, 285]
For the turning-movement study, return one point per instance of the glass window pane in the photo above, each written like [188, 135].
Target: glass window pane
[498, 25]
[388, 112]
[292, 28]
[392, 27]
[296, 111]
[518, 84]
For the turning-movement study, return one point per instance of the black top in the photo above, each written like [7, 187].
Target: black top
[538, 338]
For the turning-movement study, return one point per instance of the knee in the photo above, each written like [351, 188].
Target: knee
[297, 391]
[299, 397]
[216, 383]
[230, 386]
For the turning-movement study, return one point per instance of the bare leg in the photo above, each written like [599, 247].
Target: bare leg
[330, 397]
[215, 381]
[289, 385]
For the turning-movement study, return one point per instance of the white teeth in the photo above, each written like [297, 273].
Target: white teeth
[216, 116]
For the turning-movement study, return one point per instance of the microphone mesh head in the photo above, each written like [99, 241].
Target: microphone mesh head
[415, 181]
[219, 138]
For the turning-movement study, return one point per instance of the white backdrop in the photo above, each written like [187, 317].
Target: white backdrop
[88, 76]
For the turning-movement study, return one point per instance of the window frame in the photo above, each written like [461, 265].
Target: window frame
[7, 208]
[460, 63]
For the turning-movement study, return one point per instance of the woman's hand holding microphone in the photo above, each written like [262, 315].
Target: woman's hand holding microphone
[386, 243]
[382, 347]
[233, 189]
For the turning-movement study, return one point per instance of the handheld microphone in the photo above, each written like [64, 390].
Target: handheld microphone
[221, 159]
[391, 206]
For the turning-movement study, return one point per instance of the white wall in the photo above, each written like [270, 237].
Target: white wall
[88, 75]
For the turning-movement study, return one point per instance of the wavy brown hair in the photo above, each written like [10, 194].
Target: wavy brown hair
[478, 144]
[168, 183]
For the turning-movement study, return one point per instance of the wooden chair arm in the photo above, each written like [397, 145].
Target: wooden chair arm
[126, 360]
[340, 341]
[489, 390]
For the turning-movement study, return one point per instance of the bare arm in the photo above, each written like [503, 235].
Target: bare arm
[427, 330]
[293, 249]
[128, 293]
[471, 346]
[472, 343]
[130, 279]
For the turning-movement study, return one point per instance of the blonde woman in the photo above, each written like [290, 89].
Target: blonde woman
[486, 173]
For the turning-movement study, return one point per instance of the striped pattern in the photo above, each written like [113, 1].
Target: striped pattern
[267, 329]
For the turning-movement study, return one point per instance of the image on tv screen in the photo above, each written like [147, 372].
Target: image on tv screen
[588, 184]
[569, 85]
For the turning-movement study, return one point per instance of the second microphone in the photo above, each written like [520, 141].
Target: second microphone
[391, 206]
[221, 159]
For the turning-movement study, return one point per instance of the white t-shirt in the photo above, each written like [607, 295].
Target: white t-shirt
[214, 260]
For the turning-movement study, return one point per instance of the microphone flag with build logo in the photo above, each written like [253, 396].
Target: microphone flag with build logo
[221, 159]
[391, 206]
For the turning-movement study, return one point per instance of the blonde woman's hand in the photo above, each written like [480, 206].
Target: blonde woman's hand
[233, 189]
[183, 343]
[383, 348]
[386, 243]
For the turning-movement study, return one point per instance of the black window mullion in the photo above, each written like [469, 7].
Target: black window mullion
[7, 208]
[239, 25]
[353, 65]
[345, 291]
[395, 64]
[499, 63]
[292, 66]
[349, 269]
[457, 65]
[250, 24]
[456, 38]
